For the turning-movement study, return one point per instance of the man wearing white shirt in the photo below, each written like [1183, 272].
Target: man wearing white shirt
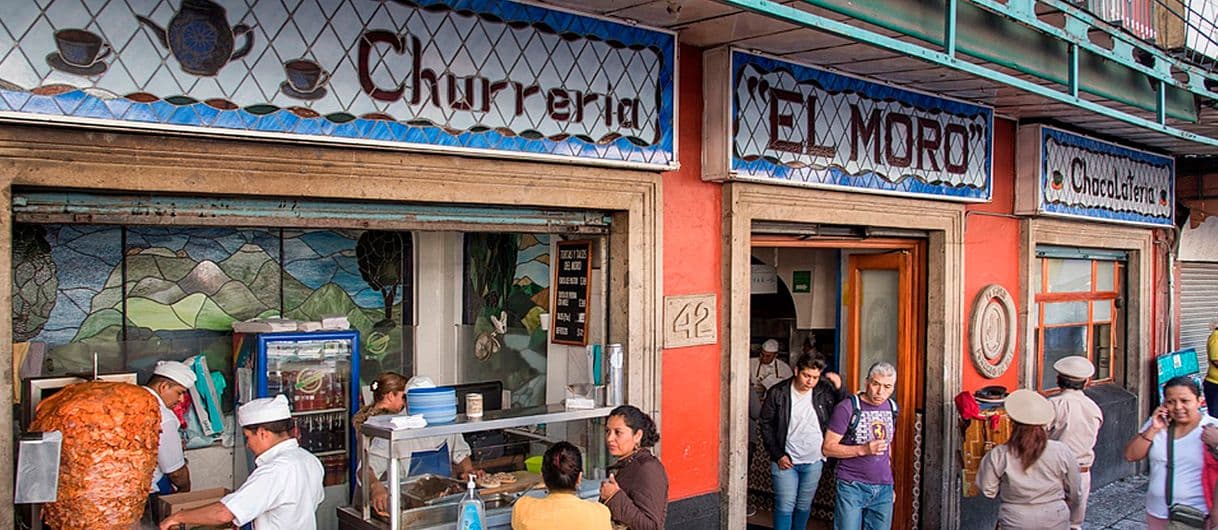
[767, 370]
[282, 493]
[170, 382]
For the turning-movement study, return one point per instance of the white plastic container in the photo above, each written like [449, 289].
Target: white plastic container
[471, 513]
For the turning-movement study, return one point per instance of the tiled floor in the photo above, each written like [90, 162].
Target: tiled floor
[1120, 505]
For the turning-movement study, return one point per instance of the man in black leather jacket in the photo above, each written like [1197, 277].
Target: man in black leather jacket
[793, 419]
[776, 408]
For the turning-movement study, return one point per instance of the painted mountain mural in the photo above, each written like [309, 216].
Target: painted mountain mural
[168, 291]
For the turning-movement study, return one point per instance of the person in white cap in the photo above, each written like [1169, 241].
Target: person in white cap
[170, 382]
[437, 455]
[1076, 423]
[284, 490]
[767, 370]
[1035, 478]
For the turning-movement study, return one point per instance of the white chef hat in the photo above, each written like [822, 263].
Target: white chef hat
[177, 372]
[264, 410]
[419, 381]
[770, 345]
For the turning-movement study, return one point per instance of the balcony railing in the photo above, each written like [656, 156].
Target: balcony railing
[1136, 16]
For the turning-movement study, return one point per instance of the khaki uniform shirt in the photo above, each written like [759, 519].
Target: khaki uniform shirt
[1076, 423]
[1053, 477]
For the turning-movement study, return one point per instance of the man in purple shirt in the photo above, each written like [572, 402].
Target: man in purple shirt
[864, 468]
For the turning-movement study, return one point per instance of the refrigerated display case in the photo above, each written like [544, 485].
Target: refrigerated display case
[319, 374]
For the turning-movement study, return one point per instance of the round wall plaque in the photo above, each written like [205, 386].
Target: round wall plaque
[992, 331]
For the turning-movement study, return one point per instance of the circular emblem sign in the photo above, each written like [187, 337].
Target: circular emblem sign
[992, 331]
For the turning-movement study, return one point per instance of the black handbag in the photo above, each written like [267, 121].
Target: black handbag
[1179, 516]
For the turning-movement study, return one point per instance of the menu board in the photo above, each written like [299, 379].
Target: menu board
[571, 272]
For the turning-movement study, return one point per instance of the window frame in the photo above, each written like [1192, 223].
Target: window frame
[1043, 297]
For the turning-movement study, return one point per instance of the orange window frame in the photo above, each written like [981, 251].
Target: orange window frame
[1044, 297]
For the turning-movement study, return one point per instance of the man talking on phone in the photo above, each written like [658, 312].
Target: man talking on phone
[860, 431]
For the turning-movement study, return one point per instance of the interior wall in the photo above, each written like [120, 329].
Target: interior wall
[991, 254]
[814, 309]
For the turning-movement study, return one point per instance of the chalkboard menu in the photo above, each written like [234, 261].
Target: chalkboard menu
[570, 314]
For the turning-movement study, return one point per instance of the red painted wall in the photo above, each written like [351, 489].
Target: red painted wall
[689, 423]
[991, 252]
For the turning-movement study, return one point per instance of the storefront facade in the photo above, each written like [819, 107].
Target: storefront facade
[194, 165]
[684, 154]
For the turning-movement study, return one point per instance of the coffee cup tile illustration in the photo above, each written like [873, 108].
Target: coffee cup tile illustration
[305, 75]
[78, 47]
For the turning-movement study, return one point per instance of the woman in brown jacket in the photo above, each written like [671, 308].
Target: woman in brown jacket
[636, 491]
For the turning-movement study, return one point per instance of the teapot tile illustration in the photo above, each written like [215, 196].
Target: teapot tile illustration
[199, 37]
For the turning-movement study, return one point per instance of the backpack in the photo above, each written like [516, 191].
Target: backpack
[855, 407]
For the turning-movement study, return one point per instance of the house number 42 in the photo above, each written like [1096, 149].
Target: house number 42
[689, 320]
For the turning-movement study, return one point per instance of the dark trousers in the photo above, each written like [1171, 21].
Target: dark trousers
[1211, 397]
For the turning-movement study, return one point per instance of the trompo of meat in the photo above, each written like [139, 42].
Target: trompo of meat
[110, 434]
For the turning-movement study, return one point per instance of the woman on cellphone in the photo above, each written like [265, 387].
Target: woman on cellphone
[1179, 416]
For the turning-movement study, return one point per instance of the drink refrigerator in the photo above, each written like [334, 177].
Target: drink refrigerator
[319, 374]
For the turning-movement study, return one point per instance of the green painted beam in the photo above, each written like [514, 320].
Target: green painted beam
[994, 38]
[811, 20]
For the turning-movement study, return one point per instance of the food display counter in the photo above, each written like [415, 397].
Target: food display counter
[543, 426]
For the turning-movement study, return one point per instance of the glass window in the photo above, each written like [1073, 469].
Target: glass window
[1058, 343]
[1105, 275]
[1069, 275]
[1074, 312]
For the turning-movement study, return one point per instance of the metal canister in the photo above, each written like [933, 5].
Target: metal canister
[473, 405]
[617, 385]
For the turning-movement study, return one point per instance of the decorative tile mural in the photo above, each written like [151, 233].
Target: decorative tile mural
[172, 292]
[507, 279]
[486, 75]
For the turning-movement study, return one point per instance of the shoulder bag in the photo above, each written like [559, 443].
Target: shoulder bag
[1179, 516]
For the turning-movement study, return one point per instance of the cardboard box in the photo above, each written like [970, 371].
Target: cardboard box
[176, 502]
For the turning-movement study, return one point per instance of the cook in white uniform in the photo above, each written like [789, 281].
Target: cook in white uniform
[764, 372]
[170, 382]
[282, 493]
[437, 455]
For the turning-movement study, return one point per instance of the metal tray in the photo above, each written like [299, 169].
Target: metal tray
[420, 490]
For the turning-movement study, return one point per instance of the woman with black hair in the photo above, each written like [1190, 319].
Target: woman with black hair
[1180, 418]
[636, 491]
[562, 470]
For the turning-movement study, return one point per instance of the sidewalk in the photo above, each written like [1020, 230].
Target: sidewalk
[1120, 505]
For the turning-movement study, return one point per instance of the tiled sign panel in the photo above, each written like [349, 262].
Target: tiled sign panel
[800, 125]
[1085, 177]
[456, 74]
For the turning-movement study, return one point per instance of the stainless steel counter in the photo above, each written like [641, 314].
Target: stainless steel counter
[444, 516]
[382, 426]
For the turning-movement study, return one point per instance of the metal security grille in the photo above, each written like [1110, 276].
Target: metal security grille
[1198, 305]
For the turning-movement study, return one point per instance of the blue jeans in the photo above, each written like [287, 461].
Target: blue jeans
[793, 492]
[863, 506]
[1211, 397]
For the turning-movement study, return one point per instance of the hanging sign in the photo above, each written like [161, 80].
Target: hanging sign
[490, 76]
[1069, 175]
[764, 279]
[572, 270]
[779, 122]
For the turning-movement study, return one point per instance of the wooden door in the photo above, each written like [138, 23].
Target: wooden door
[884, 299]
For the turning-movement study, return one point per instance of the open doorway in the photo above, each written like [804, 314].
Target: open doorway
[851, 303]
